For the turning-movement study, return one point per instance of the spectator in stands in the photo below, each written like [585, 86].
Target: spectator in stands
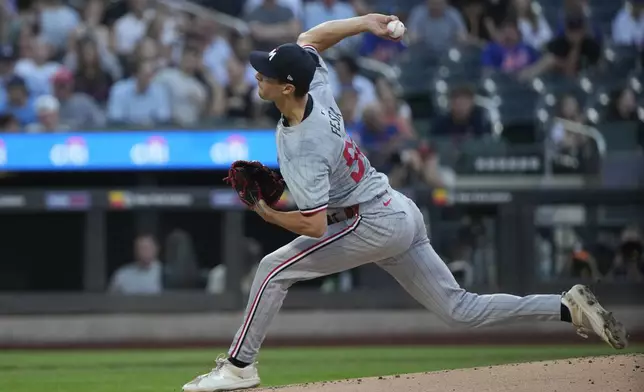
[583, 265]
[144, 275]
[241, 48]
[378, 139]
[295, 6]
[576, 8]
[396, 111]
[320, 11]
[92, 72]
[38, 66]
[47, 109]
[86, 50]
[9, 124]
[19, 103]
[271, 25]
[57, 22]
[131, 27]
[437, 25]
[509, 54]
[573, 150]
[8, 59]
[92, 26]
[217, 51]
[163, 28]
[346, 71]
[629, 262]
[241, 100]
[623, 106]
[77, 110]
[568, 54]
[384, 50]
[535, 30]
[464, 119]
[139, 100]
[147, 50]
[476, 21]
[188, 97]
[348, 104]
[628, 25]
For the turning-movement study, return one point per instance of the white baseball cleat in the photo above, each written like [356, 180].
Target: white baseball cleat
[224, 377]
[588, 315]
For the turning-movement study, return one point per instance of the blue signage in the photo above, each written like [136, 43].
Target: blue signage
[146, 150]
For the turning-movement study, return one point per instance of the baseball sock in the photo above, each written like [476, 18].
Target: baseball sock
[565, 314]
[238, 363]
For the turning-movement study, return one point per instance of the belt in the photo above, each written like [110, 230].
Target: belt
[346, 213]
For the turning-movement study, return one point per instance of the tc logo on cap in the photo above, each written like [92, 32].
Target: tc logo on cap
[272, 54]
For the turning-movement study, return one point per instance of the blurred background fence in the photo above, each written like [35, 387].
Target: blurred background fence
[515, 125]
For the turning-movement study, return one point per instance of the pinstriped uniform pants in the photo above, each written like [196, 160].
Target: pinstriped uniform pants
[393, 235]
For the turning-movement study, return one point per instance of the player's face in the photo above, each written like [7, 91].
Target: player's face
[269, 89]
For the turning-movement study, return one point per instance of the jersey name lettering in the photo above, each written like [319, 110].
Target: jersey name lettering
[335, 120]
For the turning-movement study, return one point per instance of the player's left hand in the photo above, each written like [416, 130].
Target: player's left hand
[377, 25]
[262, 209]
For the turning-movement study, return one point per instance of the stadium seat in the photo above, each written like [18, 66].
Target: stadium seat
[621, 60]
[620, 136]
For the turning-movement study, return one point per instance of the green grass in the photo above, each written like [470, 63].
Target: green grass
[167, 370]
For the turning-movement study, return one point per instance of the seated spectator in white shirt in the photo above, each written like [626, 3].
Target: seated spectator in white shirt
[188, 96]
[77, 110]
[131, 27]
[139, 101]
[294, 5]
[272, 25]
[57, 22]
[144, 275]
[38, 66]
[217, 50]
[535, 30]
[47, 110]
[437, 25]
[346, 76]
[628, 26]
[320, 11]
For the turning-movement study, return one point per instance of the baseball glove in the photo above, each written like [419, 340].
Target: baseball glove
[254, 182]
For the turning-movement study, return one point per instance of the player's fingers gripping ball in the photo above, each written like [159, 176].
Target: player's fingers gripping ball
[396, 29]
[254, 182]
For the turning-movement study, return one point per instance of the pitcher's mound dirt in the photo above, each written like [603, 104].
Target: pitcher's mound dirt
[619, 373]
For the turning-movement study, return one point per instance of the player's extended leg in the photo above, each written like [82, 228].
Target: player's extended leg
[426, 277]
[346, 245]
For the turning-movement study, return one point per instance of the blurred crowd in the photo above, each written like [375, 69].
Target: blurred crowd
[91, 64]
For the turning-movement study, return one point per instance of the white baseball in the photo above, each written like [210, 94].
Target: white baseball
[396, 29]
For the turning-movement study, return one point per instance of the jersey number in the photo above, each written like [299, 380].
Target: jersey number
[352, 154]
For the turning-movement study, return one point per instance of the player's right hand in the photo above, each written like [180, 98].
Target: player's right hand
[377, 25]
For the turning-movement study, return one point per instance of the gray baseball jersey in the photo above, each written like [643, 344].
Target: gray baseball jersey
[320, 163]
[322, 166]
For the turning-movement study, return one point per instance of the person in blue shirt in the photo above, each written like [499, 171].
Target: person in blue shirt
[18, 103]
[139, 101]
[380, 49]
[509, 54]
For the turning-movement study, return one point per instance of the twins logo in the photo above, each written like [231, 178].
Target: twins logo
[73, 152]
[3, 153]
[231, 149]
[153, 151]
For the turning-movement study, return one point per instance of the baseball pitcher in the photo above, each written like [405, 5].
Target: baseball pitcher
[348, 215]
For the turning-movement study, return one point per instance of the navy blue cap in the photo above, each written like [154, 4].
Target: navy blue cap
[288, 63]
[7, 53]
[16, 81]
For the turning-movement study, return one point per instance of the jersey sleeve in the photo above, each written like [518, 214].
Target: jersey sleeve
[321, 77]
[307, 178]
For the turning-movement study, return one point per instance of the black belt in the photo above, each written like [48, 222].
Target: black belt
[344, 214]
[347, 212]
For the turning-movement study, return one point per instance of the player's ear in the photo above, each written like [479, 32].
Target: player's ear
[288, 89]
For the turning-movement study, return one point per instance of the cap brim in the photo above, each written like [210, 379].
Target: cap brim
[260, 62]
